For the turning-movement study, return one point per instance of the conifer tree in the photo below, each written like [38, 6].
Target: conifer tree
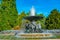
[53, 20]
[8, 13]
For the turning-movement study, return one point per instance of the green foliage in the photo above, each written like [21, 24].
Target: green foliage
[8, 14]
[20, 17]
[42, 21]
[28, 13]
[53, 20]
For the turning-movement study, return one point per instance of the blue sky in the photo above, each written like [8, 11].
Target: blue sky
[41, 6]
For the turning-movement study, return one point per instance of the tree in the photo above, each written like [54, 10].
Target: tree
[53, 20]
[42, 21]
[28, 13]
[8, 14]
[20, 18]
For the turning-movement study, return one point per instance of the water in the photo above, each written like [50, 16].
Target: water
[32, 11]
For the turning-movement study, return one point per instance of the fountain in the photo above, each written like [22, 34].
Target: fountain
[31, 29]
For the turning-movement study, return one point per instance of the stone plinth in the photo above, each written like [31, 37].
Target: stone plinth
[35, 35]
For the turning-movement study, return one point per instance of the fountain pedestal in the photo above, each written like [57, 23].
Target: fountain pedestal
[32, 26]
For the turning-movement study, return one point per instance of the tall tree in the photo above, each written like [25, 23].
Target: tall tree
[9, 14]
[53, 20]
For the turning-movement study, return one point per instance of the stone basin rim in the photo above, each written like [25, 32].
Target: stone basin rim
[35, 33]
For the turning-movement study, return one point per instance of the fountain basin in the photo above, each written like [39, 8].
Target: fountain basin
[34, 35]
[31, 18]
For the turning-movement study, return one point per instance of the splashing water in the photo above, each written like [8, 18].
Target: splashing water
[32, 11]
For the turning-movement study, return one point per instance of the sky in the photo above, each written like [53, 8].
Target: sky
[41, 6]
